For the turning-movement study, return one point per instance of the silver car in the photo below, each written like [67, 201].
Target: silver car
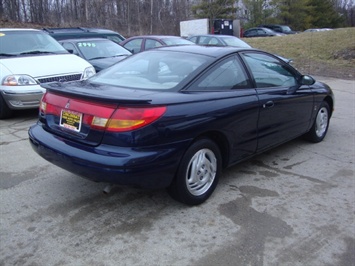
[29, 58]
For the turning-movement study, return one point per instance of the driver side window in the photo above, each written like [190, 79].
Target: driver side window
[268, 71]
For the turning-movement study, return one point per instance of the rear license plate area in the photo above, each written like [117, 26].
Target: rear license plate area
[71, 120]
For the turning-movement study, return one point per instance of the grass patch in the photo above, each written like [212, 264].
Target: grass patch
[330, 53]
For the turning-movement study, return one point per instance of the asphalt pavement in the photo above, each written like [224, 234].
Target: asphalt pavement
[293, 205]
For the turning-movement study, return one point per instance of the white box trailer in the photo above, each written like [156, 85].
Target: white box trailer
[194, 27]
[201, 26]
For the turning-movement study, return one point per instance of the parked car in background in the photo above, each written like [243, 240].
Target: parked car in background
[174, 117]
[260, 32]
[101, 53]
[29, 59]
[218, 40]
[224, 40]
[80, 32]
[317, 30]
[279, 28]
[138, 44]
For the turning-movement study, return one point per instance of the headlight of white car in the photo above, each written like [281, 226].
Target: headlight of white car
[18, 80]
[88, 72]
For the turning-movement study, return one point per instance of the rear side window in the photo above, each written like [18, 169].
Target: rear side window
[226, 75]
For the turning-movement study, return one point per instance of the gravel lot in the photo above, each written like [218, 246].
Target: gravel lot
[293, 205]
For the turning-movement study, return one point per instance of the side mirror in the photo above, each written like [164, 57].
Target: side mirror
[307, 80]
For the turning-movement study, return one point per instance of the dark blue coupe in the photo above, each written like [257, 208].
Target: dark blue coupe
[174, 117]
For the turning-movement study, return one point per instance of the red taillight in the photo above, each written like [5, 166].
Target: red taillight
[101, 116]
[47, 108]
[126, 119]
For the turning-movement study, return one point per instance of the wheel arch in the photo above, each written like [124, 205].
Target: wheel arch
[180, 188]
[221, 141]
[330, 102]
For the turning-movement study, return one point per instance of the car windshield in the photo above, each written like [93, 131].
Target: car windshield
[286, 28]
[234, 41]
[28, 42]
[162, 70]
[176, 41]
[92, 49]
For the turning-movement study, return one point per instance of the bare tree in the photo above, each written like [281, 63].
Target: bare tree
[1, 9]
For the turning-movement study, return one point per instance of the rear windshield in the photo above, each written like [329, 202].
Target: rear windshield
[234, 41]
[176, 41]
[27, 42]
[267, 30]
[161, 70]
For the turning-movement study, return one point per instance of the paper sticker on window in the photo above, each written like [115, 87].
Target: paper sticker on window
[86, 44]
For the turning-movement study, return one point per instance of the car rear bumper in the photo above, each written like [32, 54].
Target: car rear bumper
[151, 167]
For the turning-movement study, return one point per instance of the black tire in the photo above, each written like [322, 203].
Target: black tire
[320, 126]
[195, 187]
[5, 111]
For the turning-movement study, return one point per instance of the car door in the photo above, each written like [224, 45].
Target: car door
[285, 105]
[234, 102]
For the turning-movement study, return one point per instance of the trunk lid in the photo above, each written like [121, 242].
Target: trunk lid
[81, 113]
